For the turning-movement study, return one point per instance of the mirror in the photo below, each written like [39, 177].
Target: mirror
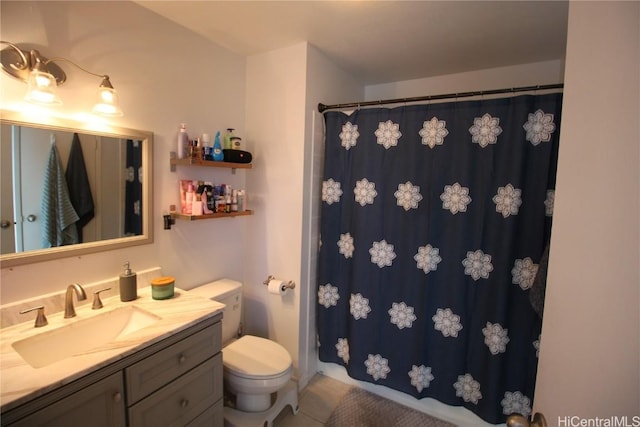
[96, 180]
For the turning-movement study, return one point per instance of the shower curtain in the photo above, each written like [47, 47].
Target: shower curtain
[434, 219]
[133, 189]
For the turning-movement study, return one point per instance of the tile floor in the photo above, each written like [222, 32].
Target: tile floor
[316, 402]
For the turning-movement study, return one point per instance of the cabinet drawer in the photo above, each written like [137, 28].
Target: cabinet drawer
[212, 417]
[183, 400]
[100, 404]
[148, 375]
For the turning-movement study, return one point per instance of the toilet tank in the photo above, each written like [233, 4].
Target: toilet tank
[229, 293]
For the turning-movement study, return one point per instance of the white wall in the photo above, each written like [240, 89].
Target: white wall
[283, 88]
[539, 73]
[590, 348]
[275, 95]
[165, 75]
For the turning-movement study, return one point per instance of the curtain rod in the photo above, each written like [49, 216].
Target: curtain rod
[322, 107]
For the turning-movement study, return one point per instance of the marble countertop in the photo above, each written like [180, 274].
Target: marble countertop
[20, 382]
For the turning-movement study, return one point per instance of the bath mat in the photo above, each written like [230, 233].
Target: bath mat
[359, 408]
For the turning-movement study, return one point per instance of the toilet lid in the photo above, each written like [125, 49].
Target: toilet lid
[253, 357]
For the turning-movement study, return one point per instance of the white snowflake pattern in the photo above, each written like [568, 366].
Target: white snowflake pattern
[331, 191]
[427, 258]
[536, 345]
[140, 175]
[328, 295]
[382, 253]
[468, 388]
[421, 377]
[388, 134]
[359, 306]
[433, 132]
[455, 198]
[495, 337]
[343, 349]
[516, 403]
[523, 273]
[345, 245]
[447, 322]
[485, 130]
[365, 192]
[129, 174]
[136, 207]
[549, 201]
[477, 264]
[508, 200]
[377, 366]
[539, 127]
[408, 195]
[401, 315]
[349, 135]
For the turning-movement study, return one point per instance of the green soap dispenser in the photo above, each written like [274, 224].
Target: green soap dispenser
[128, 284]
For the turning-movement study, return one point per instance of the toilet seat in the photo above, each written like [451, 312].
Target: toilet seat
[257, 358]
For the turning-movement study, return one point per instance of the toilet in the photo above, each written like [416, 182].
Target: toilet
[254, 368]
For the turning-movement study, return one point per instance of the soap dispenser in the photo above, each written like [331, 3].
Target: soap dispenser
[128, 284]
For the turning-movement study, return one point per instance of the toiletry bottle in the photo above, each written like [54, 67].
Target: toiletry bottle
[206, 147]
[189, 199]
[218, 155]
[241, 207]
[228, 136]
[183, 142]
[196, 205]
[128, 284]
[234, 201]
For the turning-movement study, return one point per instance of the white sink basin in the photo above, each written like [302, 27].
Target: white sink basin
[82, 335]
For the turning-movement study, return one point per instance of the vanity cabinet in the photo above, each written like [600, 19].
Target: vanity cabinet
[100, 404]
[176, 381]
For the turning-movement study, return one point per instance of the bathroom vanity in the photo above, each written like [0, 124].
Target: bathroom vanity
[168, 372]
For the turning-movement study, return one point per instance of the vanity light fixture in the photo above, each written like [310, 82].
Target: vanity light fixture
[42, 76]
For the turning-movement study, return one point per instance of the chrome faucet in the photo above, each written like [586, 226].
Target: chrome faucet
[69, 310]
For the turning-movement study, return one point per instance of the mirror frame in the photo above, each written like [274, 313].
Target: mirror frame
[102, 129]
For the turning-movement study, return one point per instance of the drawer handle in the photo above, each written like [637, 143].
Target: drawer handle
[117, 397]
[184, 403]
[182, 358]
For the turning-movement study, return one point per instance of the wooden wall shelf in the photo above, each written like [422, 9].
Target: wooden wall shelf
[176, 215]
[173, 162]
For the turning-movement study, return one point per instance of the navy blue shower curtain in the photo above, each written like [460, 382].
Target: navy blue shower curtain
[133, 189]
[434, 220]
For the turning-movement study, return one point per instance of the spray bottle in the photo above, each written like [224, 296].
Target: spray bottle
[218, 155]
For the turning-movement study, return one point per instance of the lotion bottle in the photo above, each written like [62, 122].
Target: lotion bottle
[128, 284]
[183, 142]
[189, 197]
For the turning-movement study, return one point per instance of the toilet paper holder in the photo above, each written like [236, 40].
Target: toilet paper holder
[290, 284]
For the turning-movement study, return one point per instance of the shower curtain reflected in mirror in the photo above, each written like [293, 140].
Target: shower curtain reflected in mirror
[133, 189]
[434, 220]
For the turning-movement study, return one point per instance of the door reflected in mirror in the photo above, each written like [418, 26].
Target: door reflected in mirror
[69, 188]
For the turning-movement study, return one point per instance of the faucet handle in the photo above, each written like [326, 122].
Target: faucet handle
[41, 319]
[97, 302]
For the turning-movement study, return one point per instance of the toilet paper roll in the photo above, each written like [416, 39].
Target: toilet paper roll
[277, 287]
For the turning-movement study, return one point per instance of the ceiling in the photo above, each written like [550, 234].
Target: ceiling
[385, 41]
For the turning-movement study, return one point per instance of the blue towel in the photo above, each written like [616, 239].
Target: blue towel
[58, 216]
[78, 184]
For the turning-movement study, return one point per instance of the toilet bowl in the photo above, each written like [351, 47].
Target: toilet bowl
[255, 369]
